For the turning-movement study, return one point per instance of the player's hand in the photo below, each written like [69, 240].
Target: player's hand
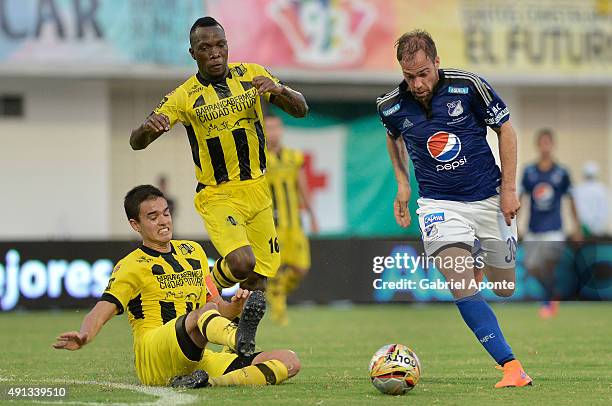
[157, 123]
[264, 84]
[577, 235]
[510, 205]
[400, 206]
[240, 298]
[72, 340]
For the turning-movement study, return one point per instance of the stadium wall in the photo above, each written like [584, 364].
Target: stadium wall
[54, 169]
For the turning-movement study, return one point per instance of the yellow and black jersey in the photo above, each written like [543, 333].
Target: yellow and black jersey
[282, 175]
[223, 122]
[155, 287]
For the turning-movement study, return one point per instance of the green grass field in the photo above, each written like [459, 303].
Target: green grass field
[569, 357]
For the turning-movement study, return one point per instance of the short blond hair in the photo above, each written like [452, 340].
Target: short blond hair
[412, 42]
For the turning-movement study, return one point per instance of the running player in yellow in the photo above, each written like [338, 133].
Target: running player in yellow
[175, 309]
[220, 107]
[289, 190]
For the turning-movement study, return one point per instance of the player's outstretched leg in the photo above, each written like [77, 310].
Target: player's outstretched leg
[252, 313]
[480, 318]
[267, 368]
[270, 372]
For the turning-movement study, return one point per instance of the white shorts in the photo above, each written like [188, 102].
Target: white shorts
[543, 248]
[447, 223]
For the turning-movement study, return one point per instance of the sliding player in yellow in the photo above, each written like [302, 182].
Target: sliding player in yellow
[289, 190]
[175, 309]
[220, 107]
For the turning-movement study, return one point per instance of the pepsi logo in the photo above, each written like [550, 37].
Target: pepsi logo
[443, 146]
[543, 192]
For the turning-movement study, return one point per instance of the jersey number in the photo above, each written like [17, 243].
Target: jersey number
[512, 246]
[274, 247]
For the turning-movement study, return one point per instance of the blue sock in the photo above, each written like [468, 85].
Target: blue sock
[480, 318]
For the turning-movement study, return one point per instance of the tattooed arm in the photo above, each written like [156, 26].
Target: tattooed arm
[286, 98]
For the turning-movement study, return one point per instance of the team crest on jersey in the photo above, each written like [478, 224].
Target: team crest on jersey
[239, 70]
[455, 108]
[186, 248]
[431, 231]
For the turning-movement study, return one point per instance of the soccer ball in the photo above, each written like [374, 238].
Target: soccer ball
[395, 369]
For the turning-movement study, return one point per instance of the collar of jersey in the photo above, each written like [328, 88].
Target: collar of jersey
[155, 253]
[403, 86]
[552, 168]
[207, 82]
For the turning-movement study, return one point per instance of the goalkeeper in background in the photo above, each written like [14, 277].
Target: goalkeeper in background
[289, 190]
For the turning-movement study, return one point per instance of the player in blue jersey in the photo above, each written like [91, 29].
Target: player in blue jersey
[546, 183]
[440, 117]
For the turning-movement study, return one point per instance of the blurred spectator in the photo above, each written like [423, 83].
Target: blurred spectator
[592, 202]
[546, 183]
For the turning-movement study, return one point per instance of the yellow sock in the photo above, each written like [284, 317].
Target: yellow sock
[223, 276]
[270, 372]
[277, 300]
[291, 280]
[217, 329]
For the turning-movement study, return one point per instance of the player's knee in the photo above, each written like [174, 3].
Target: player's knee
[193, 316]
[291, 361]
[461, 293]
[191, 323]
[505, 292]
[241, 262]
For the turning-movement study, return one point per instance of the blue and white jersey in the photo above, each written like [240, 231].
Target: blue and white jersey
[545, 190]
[447, 141]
